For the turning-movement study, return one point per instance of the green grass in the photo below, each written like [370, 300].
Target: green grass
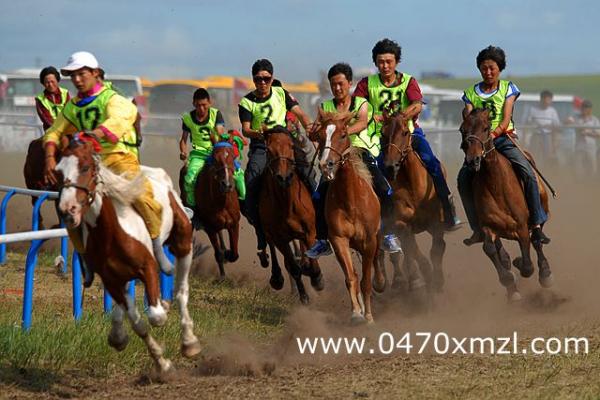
[586, 86]
[56, 343]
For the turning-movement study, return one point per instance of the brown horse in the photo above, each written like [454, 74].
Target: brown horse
[287, 212]
[352, 211]
[217, 205]
[416, 206]
[33, 171]
[500, 203]
[118, 246]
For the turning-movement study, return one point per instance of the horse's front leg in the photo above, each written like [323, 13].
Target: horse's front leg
[438, 248]
[232, 254]
[506, 277]
[190, 345]
[218, 251]
[141, 328]
[545, 275]
[369, 255]
[293, 268]
[341, 247]
[118, 337]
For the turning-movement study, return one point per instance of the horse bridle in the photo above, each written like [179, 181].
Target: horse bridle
[91, 193]
[405, 150]
[484, 152]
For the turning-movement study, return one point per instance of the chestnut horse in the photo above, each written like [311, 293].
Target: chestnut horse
[118, 246]
[500, 204]
[217, 205]
[416, 206]
[287, 213]
[352, 211]
[33, 171]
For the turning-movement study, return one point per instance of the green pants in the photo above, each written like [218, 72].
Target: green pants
[196, 163]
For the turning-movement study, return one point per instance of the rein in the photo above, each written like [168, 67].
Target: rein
[484, 152]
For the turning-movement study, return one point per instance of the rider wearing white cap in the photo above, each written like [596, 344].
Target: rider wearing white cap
[109, 116]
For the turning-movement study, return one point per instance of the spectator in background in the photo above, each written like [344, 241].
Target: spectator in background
[587, 130]
[50, 102]
[544, 120]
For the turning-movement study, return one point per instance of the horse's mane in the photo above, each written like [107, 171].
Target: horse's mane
[118, 187]
[328, 117]
[359, 166]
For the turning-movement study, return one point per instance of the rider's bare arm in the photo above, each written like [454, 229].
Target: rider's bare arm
[302, 117]
[183, 145]
[413, 109]
[361, 121]
[215, 136]
[508, 109]
[249, 132]
[467, 110]
[52, 138]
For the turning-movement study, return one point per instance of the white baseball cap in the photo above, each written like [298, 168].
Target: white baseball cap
[79, 60]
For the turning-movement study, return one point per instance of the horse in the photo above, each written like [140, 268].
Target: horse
[287, 213]
[500, 204]
[217, 206]
[117, 244]
[416, 206]
[352, 211]
[33, 171]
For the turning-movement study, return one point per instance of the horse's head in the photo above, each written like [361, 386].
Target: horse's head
[333, 138]
[223, 156]
[475, 131]
[280, 155]
[79, 170]
[396, 138]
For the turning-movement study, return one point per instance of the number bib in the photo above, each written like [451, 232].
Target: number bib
[380, 96]
[270, 112]
[493, 103]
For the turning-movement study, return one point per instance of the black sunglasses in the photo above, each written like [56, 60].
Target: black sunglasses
[264, 79]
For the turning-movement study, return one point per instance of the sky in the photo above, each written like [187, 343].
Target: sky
[190, 39]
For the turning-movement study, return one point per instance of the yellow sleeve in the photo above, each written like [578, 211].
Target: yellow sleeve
[120, 116]
[59, 128]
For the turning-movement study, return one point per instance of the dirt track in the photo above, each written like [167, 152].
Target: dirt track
[473, 304]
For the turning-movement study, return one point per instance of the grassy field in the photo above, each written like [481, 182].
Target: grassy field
[57, 344]
[585, 86]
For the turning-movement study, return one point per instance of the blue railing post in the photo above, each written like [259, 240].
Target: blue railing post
[76, 284]
[131, 290]
[64, 249]
[3, 207]
[107, 302]
[28, 286]
[35, 215]
[167, 281]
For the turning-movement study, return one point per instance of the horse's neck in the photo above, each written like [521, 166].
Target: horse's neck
[283, 195]
[414, 174]
[344, 186]
[96, 210]
[497, 171]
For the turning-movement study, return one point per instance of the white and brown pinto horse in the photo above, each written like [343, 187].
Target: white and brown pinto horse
[118, 246]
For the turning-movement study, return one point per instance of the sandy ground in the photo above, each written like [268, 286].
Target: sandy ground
[473, 304]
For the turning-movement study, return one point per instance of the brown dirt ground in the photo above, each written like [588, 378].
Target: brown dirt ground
[473, 304]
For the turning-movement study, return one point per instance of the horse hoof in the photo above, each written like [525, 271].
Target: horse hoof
[164, 367]
[230, 256]
[276, 282]
[304, 299]
[417, 284]
[317, 282]
[357, 319]
[546, 280]
[400, 285]
[264, 258]
[118, 343]
[379, 285]
[191, 350]
[514, 296]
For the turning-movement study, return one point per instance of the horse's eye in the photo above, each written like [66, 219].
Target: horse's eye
[85, 168]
